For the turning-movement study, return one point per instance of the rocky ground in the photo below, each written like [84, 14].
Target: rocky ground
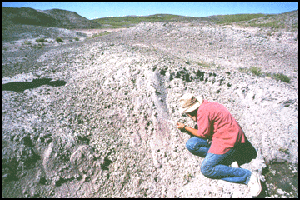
[110, 131]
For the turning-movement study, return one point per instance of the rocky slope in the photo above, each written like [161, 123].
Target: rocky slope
[110, 131]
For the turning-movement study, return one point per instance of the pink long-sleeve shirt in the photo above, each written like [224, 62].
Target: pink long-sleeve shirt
[217, 124]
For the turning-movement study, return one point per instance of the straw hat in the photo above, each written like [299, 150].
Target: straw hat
[189, 102]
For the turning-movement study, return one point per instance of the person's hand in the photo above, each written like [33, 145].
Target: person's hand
[180, 125]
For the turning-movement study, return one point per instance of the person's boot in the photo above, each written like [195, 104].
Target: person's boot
[254, 185]
[235, 164]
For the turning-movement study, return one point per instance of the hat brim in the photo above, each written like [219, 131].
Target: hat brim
[193, 107]
[190, 109]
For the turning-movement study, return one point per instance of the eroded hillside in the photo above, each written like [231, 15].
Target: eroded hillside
[110, 131]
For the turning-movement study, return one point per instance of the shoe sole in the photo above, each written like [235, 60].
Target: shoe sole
[260, 187]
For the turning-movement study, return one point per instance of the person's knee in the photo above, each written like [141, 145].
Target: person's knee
[206, 169]
[190, 144]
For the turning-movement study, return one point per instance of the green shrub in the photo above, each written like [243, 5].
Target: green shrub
[284, 150]
[41, 40]
[58, 39]
[268, 74]
[269, 33]
[101, 34]
[27, 43]
[243, 69]
[282, 77]
[76, 39]
[39, 46]
[256, 71]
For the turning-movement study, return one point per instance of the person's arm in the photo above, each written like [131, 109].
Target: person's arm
[191, 130]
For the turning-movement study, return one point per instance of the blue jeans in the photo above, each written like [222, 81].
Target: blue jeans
[216, 165]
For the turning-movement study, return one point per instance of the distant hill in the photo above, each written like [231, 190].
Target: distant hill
[69, 19]
[28, 16]
[47, 18]
[116, 22]
[287, 20]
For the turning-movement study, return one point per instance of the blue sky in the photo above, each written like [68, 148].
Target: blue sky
[92, 10]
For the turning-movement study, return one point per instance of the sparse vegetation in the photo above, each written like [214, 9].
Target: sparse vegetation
[27, 43]
[224, 19]
[38, 46]
[274, 21]
[243, 69]
[101, 34]
[269, 33]
[41, 40]
[282, 77]
[257, 71]
[254, 70]
[273, 24]
[117, 22]
[255, 20]
[284, 150]
[58, 39]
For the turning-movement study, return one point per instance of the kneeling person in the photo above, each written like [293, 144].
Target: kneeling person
[216, 139]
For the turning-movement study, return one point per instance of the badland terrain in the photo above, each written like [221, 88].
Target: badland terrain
[89, 108]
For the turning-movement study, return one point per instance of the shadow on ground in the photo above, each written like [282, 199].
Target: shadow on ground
[21, 86]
